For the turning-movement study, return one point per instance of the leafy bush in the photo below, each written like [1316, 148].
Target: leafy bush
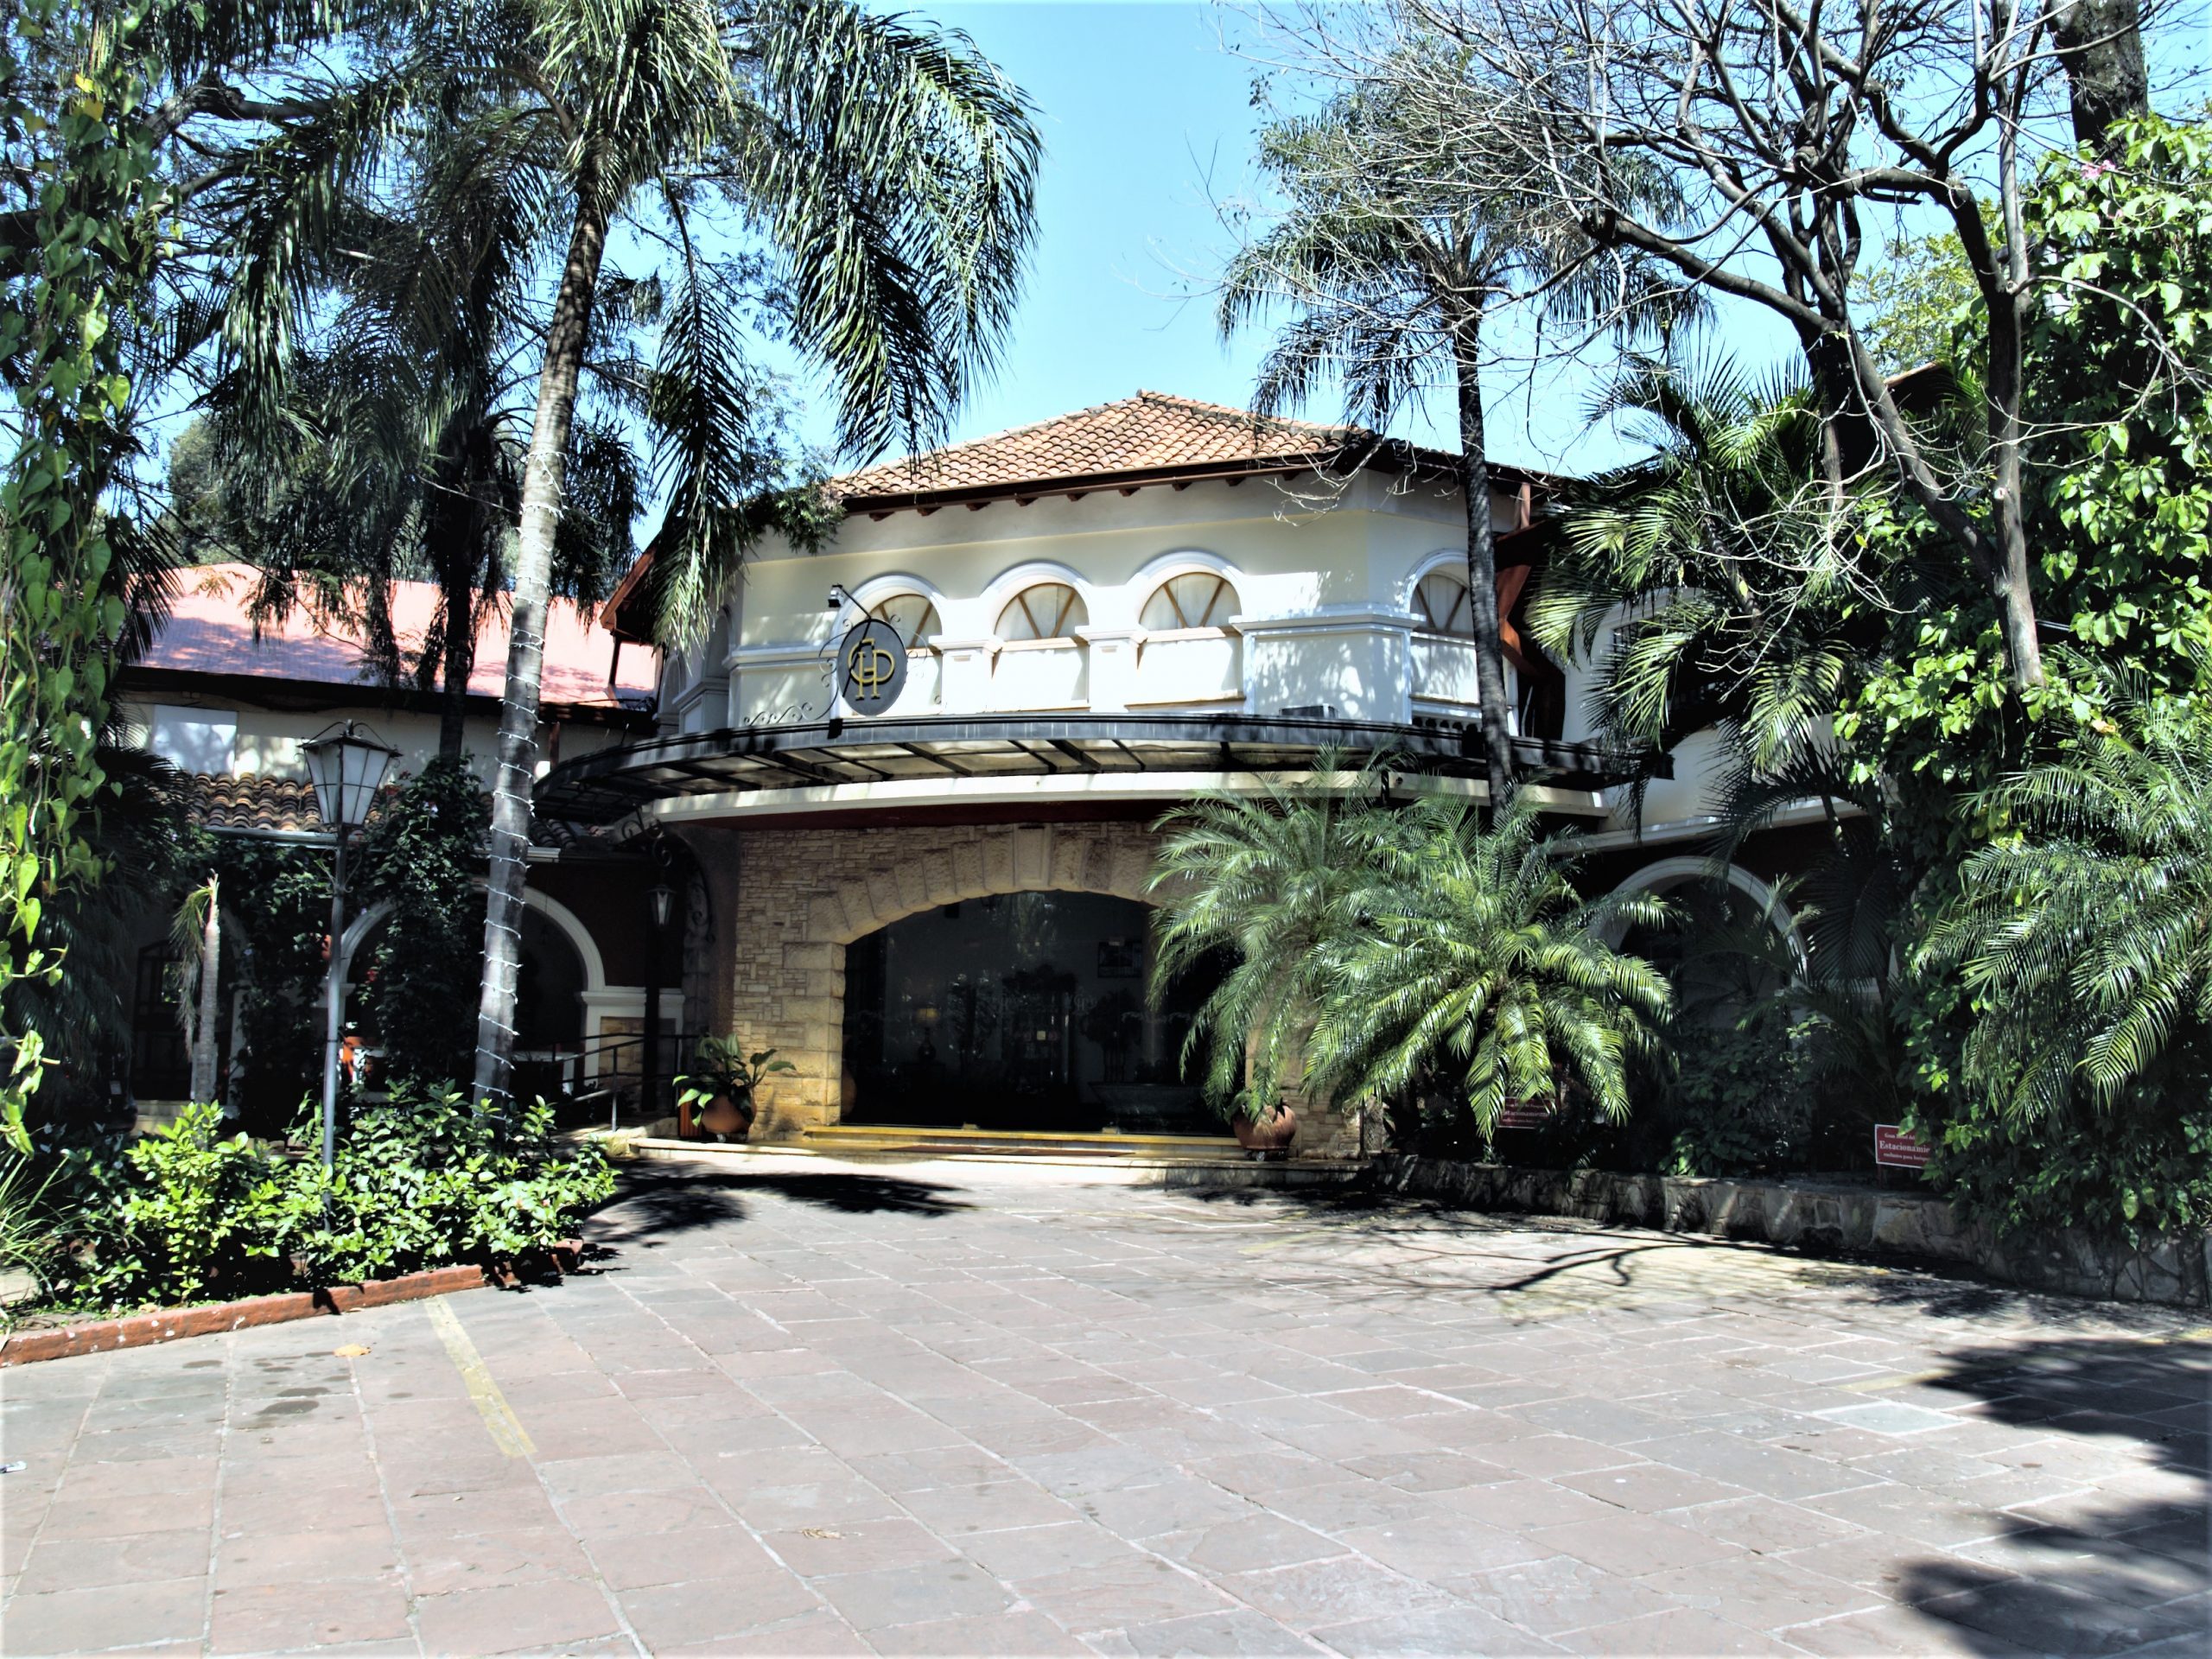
[1738, 1104]
[182, 1213]
[429, 1180]
[2132, 1172]
[426, 1180]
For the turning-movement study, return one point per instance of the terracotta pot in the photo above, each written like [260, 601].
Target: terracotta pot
[725, 1117]
[1273, 1134]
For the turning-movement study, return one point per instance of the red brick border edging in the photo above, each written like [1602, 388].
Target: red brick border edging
[168, 1324]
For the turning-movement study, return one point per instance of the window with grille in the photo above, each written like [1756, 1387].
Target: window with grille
[1050, 610]
[913, 615]
[1441, 604]
[1197, 599]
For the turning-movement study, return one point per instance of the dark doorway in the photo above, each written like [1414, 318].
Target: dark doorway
[1020, 1011]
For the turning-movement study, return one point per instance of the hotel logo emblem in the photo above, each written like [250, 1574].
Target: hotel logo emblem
[871, 667]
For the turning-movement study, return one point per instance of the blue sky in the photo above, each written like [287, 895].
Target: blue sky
[1147, 123]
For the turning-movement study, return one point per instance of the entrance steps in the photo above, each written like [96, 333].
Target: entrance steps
[859, 1140]
[1140, 1160]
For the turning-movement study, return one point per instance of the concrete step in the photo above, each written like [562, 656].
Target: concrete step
[848, 1140]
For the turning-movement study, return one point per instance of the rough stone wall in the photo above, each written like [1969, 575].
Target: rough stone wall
[1824, 1220]
[788, 901]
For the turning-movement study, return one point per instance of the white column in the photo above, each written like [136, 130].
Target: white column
[1113, 666]
[966, 688]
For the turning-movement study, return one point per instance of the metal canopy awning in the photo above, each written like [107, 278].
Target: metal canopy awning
[605, 786]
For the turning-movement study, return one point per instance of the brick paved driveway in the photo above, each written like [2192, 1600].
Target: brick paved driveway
[824, 1413]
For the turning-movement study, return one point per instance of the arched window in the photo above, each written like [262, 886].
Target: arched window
[1441, 604]
[913, 615]
[1050, 610]
[1198, 599]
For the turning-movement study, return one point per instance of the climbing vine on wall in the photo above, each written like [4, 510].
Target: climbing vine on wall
[80, 236]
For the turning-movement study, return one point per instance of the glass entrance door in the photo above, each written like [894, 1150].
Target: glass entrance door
[1023, 1011]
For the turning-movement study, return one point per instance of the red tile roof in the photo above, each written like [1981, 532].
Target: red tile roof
[209, 632]
[1150, 432]
[252, 802]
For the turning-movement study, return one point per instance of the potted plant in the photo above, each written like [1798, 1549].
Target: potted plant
[716, 1095]
[1264, 1128]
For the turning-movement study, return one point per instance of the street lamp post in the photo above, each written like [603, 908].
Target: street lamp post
[347, 765]
[662, 898]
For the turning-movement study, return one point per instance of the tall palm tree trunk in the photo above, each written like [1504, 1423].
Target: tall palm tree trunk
[204, 1033]
[1482, 569]
[517, 740]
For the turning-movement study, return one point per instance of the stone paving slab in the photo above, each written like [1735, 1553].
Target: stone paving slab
[858, 1411]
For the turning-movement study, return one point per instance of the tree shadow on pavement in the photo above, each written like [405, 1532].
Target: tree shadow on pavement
[2090, 1572]
[656, 1201]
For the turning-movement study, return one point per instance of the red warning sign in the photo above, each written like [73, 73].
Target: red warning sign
[1897, 1149]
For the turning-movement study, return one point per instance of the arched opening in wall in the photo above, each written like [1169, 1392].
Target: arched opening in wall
[161, 1063]
[549, 1008]
[1041, 664]
[1020, 1011]
[1441, 604]
[1723, 953]
[1733, 1099]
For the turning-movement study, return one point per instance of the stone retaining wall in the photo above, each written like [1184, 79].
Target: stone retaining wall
[1821, 1219]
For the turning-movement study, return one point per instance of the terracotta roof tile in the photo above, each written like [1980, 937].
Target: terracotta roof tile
[209, 632]
[1148, 432]
[252, 802]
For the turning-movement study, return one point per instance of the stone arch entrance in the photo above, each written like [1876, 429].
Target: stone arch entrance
[802, 896]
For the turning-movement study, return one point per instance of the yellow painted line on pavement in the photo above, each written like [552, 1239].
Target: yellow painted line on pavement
[507, 1432]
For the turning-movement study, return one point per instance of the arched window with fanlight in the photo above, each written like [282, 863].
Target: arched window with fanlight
[1443, 645]
[1040, 662]
[1050, 610]
[1189, 654]
[1441, 604]
[1197, 599]
[912, 616]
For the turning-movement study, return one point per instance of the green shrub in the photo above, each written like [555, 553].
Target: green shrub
[429, 1180]
[1737, 1103]
[421, 856]
[2130, 1174]
[183, 1213]
[424, 1180]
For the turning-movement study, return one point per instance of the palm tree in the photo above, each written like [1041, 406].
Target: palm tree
[1262, 878]
[1378, 947]
[1710, 569]
[1467, 952]
[894, 172]
[1708, 587]
[881, 177]
[1398, 239]
[2085, 935]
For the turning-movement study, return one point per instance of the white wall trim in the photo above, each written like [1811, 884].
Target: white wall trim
[358, 930]
[1156, 573]
[1017, 793]
[999, 591]
[1330, 618]
[1427, 566]
[1664, 874]
[886, 585]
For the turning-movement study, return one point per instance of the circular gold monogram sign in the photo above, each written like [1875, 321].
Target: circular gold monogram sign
[871, 667]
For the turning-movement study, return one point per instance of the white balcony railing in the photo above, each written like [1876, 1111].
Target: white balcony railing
[1189, 665]
[1040, 674]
